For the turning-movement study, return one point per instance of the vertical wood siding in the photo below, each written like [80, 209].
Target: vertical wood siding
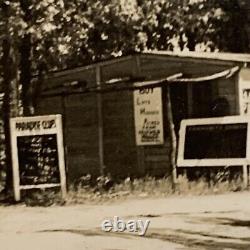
[121, 155]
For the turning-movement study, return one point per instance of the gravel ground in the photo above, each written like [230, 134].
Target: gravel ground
[191, 222]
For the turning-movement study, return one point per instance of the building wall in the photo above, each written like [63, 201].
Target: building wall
[81, 134]
[80, 120]
[99, 130]
[120, 154]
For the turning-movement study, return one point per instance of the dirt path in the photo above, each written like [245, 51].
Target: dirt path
[207, 222]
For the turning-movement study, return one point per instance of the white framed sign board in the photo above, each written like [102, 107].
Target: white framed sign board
[37, 153]
[215, 142]
[148, 116]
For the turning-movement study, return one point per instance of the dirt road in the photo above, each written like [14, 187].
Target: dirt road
[195, 222]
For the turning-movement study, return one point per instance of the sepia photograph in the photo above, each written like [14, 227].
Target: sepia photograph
[124, 124]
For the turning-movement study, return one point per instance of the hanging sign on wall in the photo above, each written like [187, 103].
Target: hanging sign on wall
[148, 116]
[244, 97]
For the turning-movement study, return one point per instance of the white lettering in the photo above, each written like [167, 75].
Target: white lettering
[143, 227]
[35, 125]
[107, 225]
[131, 226]
[119, 225]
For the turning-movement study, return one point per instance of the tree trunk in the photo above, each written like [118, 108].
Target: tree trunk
[25, 59]
[10, 102]
[181, 41]
[10, 89]
[191, 43]
[25, 72]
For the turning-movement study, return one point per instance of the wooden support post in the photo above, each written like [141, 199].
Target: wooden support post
[172, 137]
[245, 176]
[100, 121]
[64, 129]
[15, 165]
[61, 159]
[140, 149]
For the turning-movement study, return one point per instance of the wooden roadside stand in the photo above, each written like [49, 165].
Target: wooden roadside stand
[128, 110]
[143, 91]
[37, 153]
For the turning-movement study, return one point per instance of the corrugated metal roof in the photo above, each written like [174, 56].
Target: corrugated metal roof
[233, 57]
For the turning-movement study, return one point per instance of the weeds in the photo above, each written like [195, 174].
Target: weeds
[153, 187]
[137, 188]
[202, 186]
[42, 197]
[104, 189]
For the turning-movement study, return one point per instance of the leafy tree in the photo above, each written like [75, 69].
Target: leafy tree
[233, 35]
[206, 25]
[10, 74]
[102, 29]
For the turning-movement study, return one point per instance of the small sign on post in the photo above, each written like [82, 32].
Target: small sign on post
[37, 153]
[148, 116]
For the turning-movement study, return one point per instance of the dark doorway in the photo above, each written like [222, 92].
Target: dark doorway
[179, 100]
[201, 100]
[191, 100]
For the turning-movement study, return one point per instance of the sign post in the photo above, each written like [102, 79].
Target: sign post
[37, 153]
[148, 116]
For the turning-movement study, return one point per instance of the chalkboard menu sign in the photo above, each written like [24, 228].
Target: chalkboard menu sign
[37, 153]
[214, 142]
[38, 159]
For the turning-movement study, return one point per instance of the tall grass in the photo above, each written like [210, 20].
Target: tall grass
[152, 187]
[137, 188]
[104, 189]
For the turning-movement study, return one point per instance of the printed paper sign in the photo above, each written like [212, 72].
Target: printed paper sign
[244, 92]
[148, 116]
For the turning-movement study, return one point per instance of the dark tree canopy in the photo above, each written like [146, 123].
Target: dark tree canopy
[61, 33]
